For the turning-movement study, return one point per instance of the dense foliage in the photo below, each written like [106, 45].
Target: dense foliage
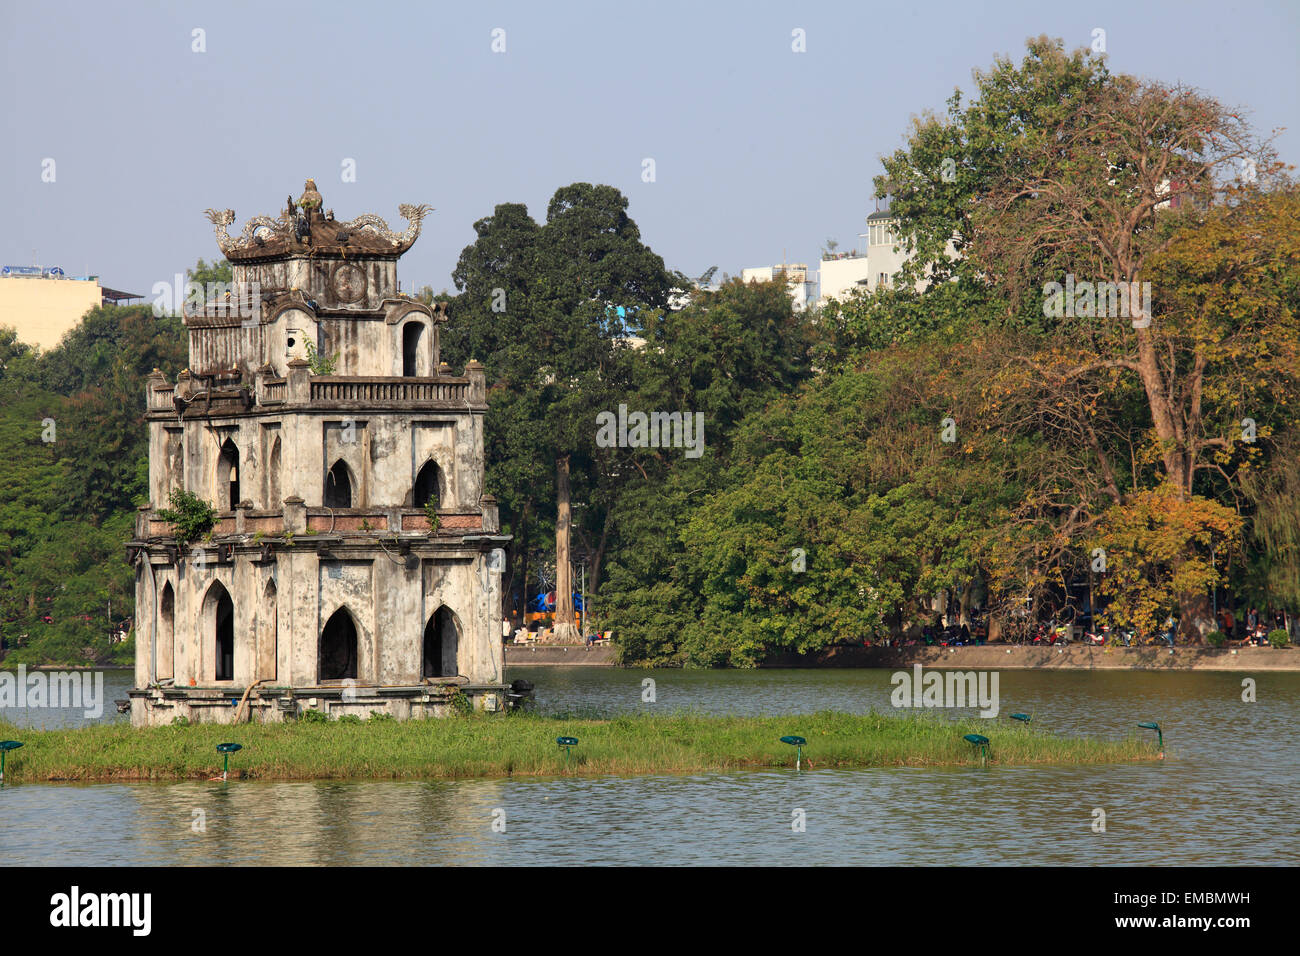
[75, 465]
[963, 441]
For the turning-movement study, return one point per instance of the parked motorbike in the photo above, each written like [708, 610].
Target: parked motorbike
[1109, 636]
[1051, 633]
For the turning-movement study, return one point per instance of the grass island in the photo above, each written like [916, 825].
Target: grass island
[478, 745]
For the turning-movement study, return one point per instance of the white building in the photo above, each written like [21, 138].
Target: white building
[802, 288]
[842, 274]
[885, 254]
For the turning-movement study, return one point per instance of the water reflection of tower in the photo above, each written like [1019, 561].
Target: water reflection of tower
[456, 818]
[327, 823]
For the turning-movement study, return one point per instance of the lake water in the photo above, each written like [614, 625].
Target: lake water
[1223, 796]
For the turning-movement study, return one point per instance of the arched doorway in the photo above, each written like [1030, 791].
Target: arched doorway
[268, 638]
[338, 647]
[219, 615]
[338, 486]
[412, 332]
[426, 488]
[228, 475]
[441, 645]
[166, 632]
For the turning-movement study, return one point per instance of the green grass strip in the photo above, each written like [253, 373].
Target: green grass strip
[524, 745]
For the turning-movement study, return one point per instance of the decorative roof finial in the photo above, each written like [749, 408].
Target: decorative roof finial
[310, 200]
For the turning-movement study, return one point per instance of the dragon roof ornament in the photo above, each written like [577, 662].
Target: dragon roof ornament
[305, 228]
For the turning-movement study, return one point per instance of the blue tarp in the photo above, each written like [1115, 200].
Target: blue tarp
[540, 602]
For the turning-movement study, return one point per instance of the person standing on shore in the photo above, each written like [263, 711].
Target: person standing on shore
[1226, 620]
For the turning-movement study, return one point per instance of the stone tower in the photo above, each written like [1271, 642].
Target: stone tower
[317, 419]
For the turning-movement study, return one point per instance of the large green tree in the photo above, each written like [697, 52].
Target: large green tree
[544, 307]
[726, 355]
[1060, 171]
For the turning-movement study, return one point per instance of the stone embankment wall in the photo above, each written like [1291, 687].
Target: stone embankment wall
[567, 654]
[1013, 657]
[988, 657]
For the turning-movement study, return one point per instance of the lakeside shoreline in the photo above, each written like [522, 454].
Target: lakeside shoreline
[1030, 657]
[981, 657]
[474, 747]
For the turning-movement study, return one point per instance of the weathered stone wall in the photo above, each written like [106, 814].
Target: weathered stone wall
[384, 452]
[278, 639]
[334, 282]
[365, 341]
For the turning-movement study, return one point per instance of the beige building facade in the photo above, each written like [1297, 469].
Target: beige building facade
[42, 308]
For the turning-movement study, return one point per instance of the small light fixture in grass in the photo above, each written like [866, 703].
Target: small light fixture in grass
[5, 747]
[567, 743]
[979, 740]
[798, 743]
[1160, 735]
[226, 750]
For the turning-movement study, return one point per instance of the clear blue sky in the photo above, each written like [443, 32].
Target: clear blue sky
[757, 149]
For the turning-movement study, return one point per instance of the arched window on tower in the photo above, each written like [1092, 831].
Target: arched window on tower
[427, 486]
[228, 475]
[338, 486]
[273, 476]
[338, 647]
[412, 333]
